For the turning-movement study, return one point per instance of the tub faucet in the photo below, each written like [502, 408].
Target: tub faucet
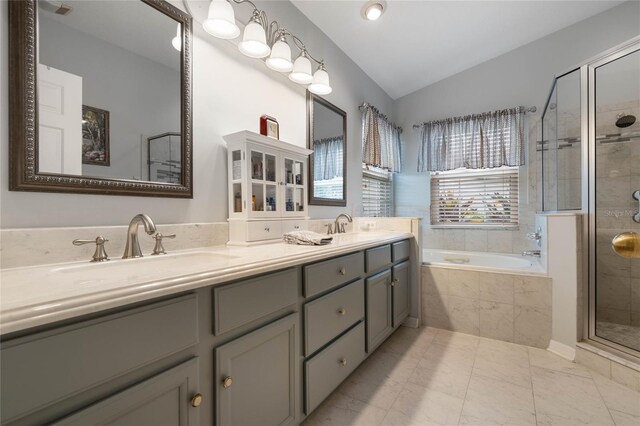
[132, 249]
[339, 227]
[534, 253]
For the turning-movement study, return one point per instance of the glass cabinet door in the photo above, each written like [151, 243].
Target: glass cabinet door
[295, 203]
[236, 181]
[263, 196]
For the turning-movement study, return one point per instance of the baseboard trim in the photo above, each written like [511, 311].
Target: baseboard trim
[411, 322]
[560, 349]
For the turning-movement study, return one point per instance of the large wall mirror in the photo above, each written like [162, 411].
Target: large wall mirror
[327, 137]
[100, 97]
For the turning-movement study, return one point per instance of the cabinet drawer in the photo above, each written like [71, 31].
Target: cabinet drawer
[378, 258]
[294, 225]
[401, 250]
[50, 366]
[240, 303]
[331, 273]
[325, 371]
[330, 315]
[264, 230]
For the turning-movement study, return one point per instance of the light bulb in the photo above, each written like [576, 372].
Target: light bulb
[280, 59]
[320, 84]
[254, 41]
[372, 10]
[221, 20]
[176, 42]
[301, 73]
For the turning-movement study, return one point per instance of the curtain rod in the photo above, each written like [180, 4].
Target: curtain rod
[377, 111]
[417, 126]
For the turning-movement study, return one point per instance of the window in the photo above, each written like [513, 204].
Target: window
[475, 198]
[377, 192]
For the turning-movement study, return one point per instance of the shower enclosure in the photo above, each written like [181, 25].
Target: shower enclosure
[599, 102]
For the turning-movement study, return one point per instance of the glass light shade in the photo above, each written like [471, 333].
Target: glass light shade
[254, 41]
[280, 59]
[301, 73]
[221, 21]
[320, 84]
[176, 42]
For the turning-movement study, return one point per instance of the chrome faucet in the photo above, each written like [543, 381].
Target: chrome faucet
[534, 253]
[339, 227]
[132, 249]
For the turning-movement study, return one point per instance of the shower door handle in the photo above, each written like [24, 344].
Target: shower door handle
[627, 245]
[636, 196]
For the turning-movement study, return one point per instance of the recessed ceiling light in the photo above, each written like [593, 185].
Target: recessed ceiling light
[372, 10]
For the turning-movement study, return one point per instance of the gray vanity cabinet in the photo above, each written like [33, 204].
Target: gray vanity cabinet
[400, 292]
[256, 376]
[379, 309]
[169, 398]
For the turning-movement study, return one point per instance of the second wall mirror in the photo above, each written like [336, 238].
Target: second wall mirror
[327, 137]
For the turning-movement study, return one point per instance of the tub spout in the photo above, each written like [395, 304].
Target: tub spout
[534, 253]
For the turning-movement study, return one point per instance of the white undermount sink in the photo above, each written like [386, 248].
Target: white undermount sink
[190, 260]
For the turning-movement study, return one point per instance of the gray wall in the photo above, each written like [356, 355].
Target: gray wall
[520, 77]
[230, 93]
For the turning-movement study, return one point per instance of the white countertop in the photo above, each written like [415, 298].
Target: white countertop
[38, 295]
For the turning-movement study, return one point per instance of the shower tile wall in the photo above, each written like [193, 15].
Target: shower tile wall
[494, 240]
[617, 176]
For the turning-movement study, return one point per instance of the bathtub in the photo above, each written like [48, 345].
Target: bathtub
[500, 296]
[489, 262]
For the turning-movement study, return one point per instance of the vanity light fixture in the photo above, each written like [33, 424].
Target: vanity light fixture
[280, 59]
[176, 42]
[320, 84]
[301, 73]
[254, 39]
[221, 20]
[264, 39]
[372, 10]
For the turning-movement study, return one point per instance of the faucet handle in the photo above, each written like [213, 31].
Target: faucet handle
[329, 229]
[159, 248]
[100, 255]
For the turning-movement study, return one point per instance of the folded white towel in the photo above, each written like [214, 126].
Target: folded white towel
[308, 238]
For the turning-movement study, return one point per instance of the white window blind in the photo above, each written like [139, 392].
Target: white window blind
[377, 192]
[475, 198]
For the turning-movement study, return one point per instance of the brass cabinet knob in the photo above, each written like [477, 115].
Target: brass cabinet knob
[227, 382]
[343, 361]
[343, 271]
[196, 400]
[342, 311]
[627, 245]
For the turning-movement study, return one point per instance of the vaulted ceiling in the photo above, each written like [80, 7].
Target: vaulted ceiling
[417, 43]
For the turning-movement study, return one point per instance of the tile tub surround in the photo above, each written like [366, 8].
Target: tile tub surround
[508, 307]
[41, 246]
[34, 296]
[431, 376]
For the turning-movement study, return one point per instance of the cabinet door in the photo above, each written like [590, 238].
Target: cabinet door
[263, 199]
[400, 290]
[379, 309]
[294, 169]
[256, 376]
[166, 399]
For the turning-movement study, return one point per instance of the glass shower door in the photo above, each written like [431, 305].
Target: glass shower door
[615, 177]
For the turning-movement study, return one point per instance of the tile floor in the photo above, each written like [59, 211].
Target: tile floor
[436, 377]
